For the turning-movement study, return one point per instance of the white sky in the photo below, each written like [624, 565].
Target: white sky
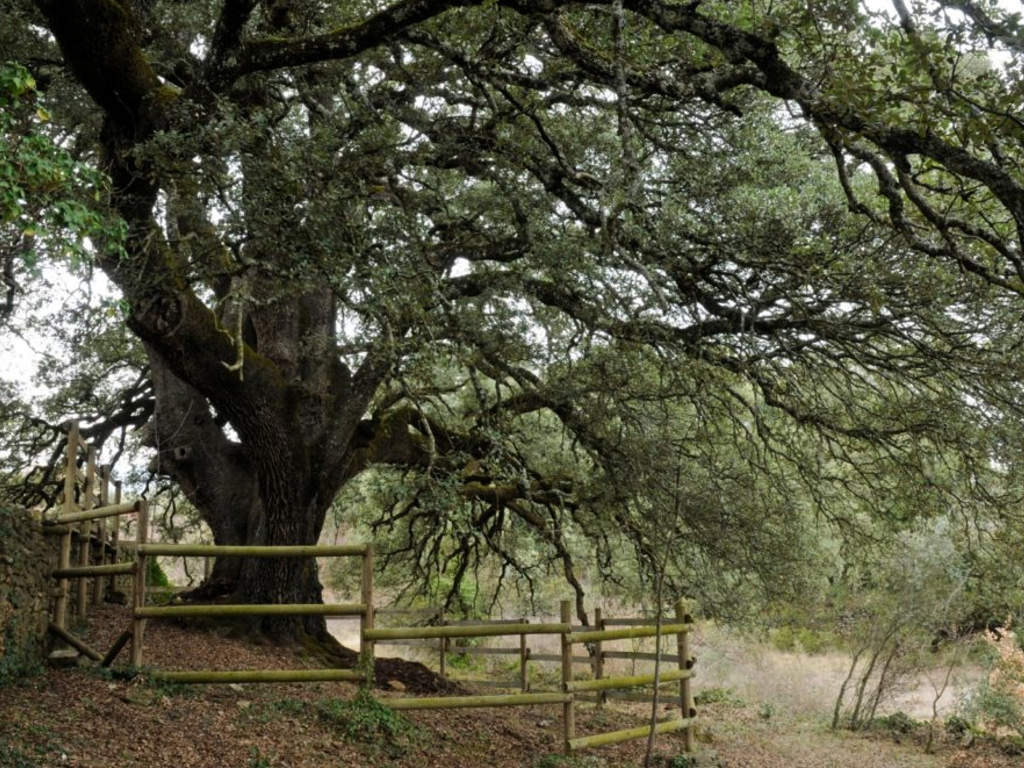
[22, 351]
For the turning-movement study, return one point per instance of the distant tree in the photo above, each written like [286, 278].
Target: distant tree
[894, 601]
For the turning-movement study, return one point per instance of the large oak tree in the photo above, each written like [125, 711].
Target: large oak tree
[384, 232]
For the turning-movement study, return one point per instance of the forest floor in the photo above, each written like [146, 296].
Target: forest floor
[81, 718]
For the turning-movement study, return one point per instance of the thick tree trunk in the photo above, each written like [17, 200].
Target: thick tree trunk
[285, 580]
[222, 482]
[274, 488]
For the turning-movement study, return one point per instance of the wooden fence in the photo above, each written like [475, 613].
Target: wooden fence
[443, 647]
[571, 690]
[528, 658]
[364, 610]
[87, 507]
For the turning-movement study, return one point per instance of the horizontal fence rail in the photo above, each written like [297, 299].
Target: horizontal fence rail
[629, 681]
[259, 676]
[483, 651]
[409, 643]
[97, 513]
[631, 632]
[637, 621]
[216, 550]
[643, 697]
[460, 702]
[482, 622]
[639, 656]
[474, 630]
[252, 609]
[558, 658]
[86, 571]
[627, 734]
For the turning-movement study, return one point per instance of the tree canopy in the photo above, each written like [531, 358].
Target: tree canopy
[559, 264]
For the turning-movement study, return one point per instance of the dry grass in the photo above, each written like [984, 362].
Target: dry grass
[806, 684]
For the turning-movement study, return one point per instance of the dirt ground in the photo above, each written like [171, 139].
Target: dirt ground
[81, 718]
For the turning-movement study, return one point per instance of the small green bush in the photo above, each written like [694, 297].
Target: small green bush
[813, 641]
[462, 661]
[153, 688]
[12, 757]
[565, 761]
[898, 723]
[790, 639]
[155, 576]
[716, 696]
[783, 639]
[170, 690]
[1011, 745]
[957, 726]
[365, 720]
[996, 706]
[982, 654]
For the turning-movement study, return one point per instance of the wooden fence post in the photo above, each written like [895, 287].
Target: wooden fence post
[568, 712]
[524, 658]
[685, 699]
[85, 530]
[366, 645]
[115, 538]
[443, 645]
[602, 696]
[139, 592]
[101, 533]
[60, 611]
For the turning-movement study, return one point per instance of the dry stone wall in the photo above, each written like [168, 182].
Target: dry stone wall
[25, 562]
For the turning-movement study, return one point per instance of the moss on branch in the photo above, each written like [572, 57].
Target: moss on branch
[100, 42]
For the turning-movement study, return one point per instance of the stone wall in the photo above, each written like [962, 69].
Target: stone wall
[25, 586]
